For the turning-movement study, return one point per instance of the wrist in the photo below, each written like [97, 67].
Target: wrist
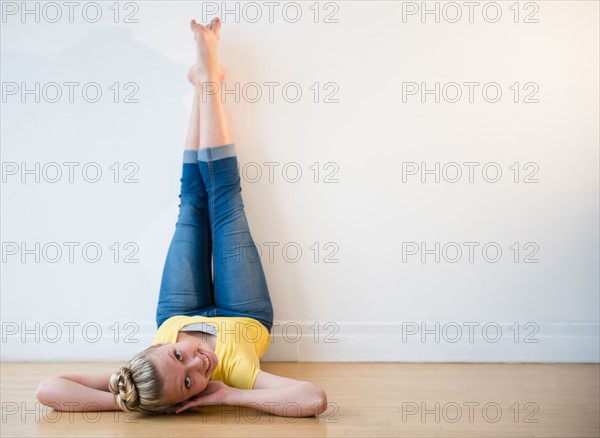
[231, 395]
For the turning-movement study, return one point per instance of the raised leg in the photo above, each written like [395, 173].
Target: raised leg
[186, 286]
[240, 287]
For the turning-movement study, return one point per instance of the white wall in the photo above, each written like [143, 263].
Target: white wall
[375, 303]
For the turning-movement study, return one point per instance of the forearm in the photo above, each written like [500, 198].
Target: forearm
[288, 401]
[65, 395]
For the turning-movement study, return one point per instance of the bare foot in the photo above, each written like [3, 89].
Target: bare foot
[206, 67]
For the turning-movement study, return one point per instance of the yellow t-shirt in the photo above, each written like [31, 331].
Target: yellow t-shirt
[241, 342]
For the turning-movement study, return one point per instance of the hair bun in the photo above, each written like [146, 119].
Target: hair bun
[122, 386]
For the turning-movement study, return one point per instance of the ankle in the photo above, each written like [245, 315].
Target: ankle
[209, 77]
[199, 76]
[207, 83]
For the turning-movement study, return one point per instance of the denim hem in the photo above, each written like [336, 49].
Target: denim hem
[214, 153]
[190, 156]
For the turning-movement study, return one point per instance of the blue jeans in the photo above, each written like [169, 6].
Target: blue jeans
[212, 221]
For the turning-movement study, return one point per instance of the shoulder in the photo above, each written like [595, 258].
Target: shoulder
[243, 332]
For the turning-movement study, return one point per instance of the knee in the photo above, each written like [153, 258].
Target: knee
[159, 320]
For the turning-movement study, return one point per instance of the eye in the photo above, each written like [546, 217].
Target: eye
[178, 356]
[188, 383]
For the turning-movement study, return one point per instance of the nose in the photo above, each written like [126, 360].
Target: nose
[196, 362]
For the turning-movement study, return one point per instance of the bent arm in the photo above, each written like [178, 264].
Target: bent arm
[76, 393]
[298, 400]
[280, 396]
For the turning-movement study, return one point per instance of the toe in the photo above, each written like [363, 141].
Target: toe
[196, 28]
[217, 26]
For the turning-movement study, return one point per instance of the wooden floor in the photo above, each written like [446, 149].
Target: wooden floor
[366, 400]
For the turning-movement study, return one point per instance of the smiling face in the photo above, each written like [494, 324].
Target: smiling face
[186, 368]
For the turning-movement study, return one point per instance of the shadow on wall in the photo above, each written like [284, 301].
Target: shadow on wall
[50, 126]
[139, 117]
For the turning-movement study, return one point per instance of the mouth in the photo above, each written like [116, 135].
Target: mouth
[207, 361]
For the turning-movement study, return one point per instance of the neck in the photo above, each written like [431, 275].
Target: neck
[205, 340]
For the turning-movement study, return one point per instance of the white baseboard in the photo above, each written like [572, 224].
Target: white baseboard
[324, 341]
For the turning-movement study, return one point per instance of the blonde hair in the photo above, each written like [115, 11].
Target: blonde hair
[138, 387]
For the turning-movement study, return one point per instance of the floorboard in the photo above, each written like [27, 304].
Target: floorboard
[365, 400]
